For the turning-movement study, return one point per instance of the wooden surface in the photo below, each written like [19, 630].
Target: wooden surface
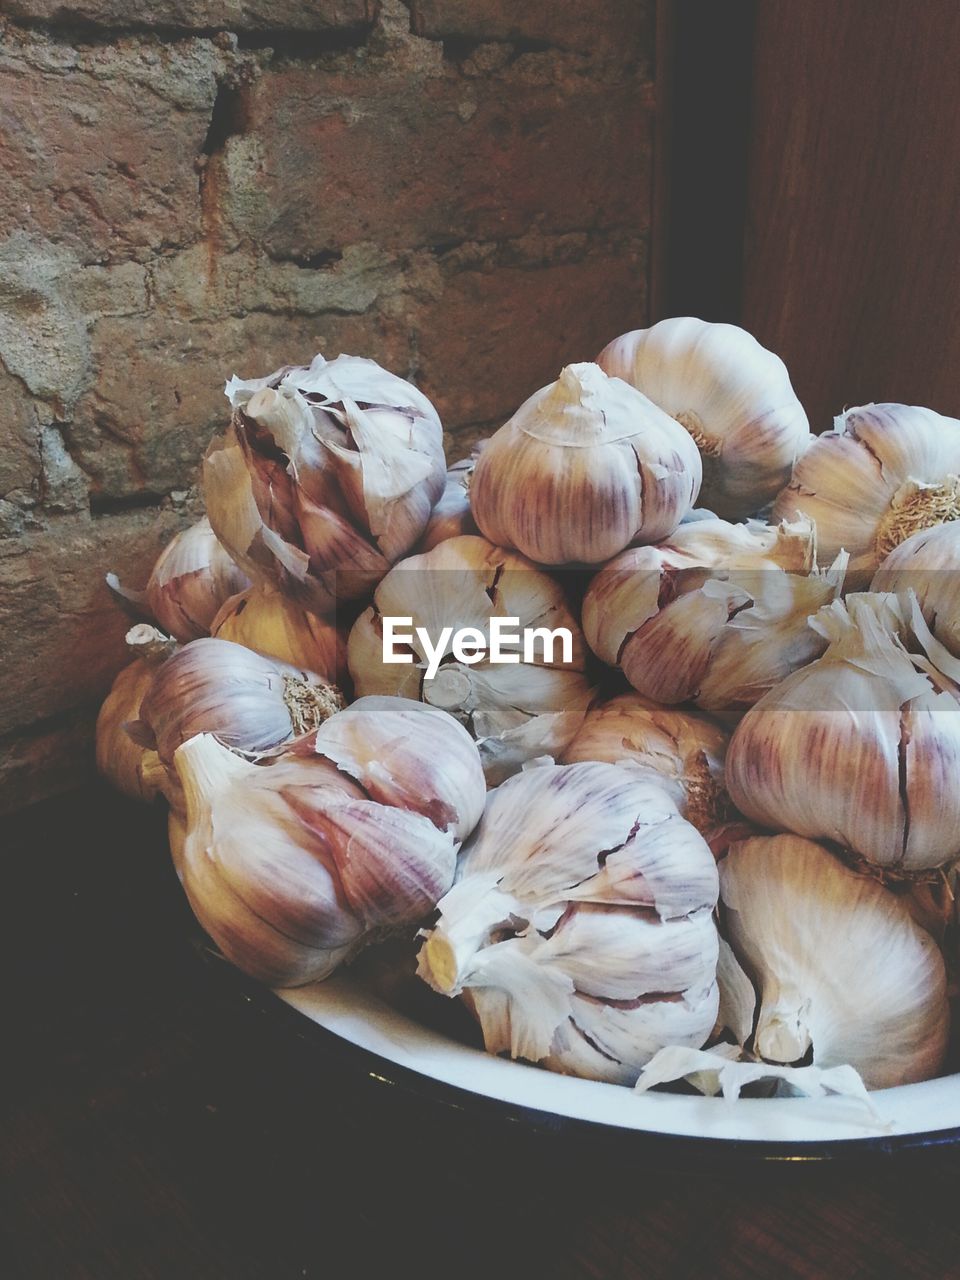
[156, 1125]
[853, 231]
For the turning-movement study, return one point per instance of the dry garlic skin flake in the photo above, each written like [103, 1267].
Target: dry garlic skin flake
[840, 967]
[884, 472]
[584, 467]
[580, 930]
[732, 395]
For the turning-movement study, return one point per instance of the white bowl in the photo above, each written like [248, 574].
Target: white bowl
[906, 1116]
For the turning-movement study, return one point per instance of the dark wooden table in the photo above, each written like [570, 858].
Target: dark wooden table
[162, 1123]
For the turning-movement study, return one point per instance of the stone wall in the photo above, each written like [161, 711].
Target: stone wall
[458, 188]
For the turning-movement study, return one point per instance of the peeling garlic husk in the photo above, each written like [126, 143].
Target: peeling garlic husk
[252, 703]
[264, 619]
[928, 563]
[862, 746]
[516, 711]
[842, 971]
[717, 615]
[884, 472]
[292, 867]
[326, 476]
[134, 770]
[579, 930]
[731, 394]
[680, 749]
[452, 517]
[585, 467]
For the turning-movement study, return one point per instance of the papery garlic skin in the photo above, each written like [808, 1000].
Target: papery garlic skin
[679, 749]
[452, 517]
[716, 615]
[840, 966]
[410, 755]
[251, 702]
[732, 395]
[884, 472]
[579, 930]
[585, 467]
[264, 619]
[326, 476]
[516, 711]
[291, 867]
[928, 564]
[134, 770]
[861, 747]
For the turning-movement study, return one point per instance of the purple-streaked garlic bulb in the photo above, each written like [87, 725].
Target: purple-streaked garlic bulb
[326, 476]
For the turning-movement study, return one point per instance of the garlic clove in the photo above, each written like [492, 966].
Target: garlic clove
[407, 754]
[842, 969]
[452, 517]
[604, 1042]
[264, 619]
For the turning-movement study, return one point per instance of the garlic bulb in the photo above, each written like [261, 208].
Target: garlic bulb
[326, 476]
[409, 755]
[584, 467]
[132, 769]
[679, 749]
[928, 563]
[732, 395]
[579, 929]
[264, 619]
[291, 867]
[191, 579]
[884, 472]
[517, 710]
[841, 969]
[862, 746]
[716, 615]
[250, 702]
[451, 517]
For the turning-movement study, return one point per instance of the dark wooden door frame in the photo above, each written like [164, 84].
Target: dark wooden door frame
[703, 74]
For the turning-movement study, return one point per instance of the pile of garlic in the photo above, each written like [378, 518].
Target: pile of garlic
[715, 833]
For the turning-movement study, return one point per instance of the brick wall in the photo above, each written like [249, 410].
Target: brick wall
[458, 188]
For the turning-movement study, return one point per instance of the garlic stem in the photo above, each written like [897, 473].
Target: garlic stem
[150, 643]
[472, 911]
[782, 1032]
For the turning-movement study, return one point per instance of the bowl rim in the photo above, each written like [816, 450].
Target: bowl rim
[315, 1024]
